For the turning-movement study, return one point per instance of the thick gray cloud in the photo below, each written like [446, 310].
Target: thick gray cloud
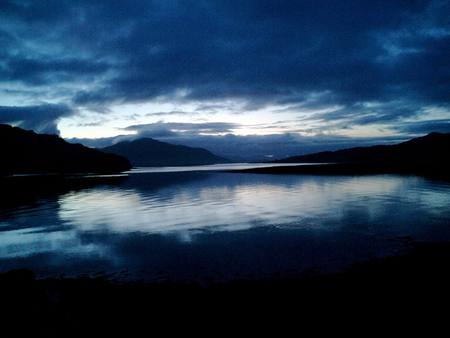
[346, 53]
[179, 128]
[441, 126]
[40, 118]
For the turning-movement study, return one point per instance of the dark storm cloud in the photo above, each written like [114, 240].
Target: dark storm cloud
[420, 128]
[368, 113]
[263, 52]
[40, 118]
[38, 72]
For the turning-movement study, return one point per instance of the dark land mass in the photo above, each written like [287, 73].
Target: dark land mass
[429, 170]
[432, 148]
[427, 155]
[25, 152]
[395, 290]
[147, 152]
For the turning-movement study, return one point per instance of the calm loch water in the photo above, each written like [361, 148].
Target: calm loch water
[218, 226]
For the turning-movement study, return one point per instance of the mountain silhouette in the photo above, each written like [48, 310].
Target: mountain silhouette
[153, 153]
[430, 149]
[25, 152]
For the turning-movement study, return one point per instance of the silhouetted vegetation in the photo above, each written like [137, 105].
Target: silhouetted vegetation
[25, 152]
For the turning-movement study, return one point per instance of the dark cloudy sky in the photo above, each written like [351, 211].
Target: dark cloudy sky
[315, 70]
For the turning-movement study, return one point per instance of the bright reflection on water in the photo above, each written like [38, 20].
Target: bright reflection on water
[223, 225]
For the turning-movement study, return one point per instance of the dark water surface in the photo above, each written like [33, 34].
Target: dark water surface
[207, 226]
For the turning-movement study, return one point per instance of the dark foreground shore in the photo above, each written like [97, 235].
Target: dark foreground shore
[376, 292]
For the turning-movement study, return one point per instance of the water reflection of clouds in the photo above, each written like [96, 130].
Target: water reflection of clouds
[25, 242]
[92, 222]
[224, 207]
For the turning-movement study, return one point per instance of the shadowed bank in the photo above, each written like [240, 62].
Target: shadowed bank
[395, 288]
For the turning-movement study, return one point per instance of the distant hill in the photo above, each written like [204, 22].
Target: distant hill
[432, 149]
[152, 153]
[25, 152]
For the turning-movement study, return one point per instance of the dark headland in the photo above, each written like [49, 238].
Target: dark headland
[147, 152]
[25, 152]
[427, 155]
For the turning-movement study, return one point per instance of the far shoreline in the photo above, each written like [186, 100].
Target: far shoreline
[351, 169]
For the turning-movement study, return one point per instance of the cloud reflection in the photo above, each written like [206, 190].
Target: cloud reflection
[181, 224]
[221, 207]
